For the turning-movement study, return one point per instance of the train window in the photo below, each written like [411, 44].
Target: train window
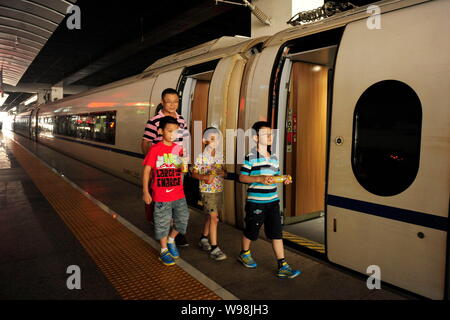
[387, 125]
[46, 126]
[22, 123]
[100, 127]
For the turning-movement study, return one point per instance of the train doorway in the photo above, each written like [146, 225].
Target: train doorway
[305, 150]
[195, 86]
[302, 122]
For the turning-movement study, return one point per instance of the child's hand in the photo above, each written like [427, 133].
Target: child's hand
[209, 179]
[221, 172]
[266, 179]
[147, 198]
[287, 180]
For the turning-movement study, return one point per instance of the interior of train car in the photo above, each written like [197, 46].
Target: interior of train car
[302, 80]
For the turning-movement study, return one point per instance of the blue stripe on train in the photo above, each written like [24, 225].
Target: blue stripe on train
[128, 153]
[403, 215]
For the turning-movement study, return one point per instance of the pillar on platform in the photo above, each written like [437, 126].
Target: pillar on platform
[56, 93]
[42, 96]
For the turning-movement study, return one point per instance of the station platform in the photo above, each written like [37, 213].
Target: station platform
[57, 212]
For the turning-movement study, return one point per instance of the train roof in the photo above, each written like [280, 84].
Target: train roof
[208, 51]
[337, 20]
[203, 48]
[211, 50]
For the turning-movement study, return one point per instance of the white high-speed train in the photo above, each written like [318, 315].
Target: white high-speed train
[364, 116]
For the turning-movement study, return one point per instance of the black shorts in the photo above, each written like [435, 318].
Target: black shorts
[268, 214]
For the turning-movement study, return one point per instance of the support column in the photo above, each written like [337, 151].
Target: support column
[56, 93]
[41, 93]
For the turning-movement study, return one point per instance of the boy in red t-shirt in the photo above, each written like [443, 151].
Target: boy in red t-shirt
[163, 161]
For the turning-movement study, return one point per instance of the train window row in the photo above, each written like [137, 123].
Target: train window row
[99, 127]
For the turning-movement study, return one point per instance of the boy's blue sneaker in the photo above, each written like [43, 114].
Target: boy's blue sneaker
[247, 260]
[173, 250]
[286, 272]
[166, 258]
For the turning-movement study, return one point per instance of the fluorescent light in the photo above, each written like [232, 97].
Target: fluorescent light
[31, 100]
[3, 99]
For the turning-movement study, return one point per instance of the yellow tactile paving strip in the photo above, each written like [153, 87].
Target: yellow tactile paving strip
[128, 262]
[304, 242]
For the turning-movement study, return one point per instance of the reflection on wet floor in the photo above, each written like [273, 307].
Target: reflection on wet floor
[12, 192]
[5, 162]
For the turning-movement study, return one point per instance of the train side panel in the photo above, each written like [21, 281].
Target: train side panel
[404, 231]
[131, 106]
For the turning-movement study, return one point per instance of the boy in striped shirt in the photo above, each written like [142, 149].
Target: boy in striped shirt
[262, 206]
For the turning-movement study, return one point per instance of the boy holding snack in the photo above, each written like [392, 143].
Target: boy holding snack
[262, 206]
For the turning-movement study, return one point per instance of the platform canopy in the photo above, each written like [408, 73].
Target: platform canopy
[25, 27]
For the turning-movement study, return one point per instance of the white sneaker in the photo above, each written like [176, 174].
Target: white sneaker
[217, 254]
[204, 244]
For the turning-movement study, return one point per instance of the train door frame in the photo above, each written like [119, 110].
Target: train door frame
[34, 124]
[328, 40]
[283, 100]
[186, 98]
[30, 130]
[187, 82]
[186, 88]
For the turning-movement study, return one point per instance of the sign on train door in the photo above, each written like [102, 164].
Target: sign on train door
[388, 187]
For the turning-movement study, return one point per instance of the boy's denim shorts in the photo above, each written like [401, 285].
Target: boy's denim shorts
[164, 212]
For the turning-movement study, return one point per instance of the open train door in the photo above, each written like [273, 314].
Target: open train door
[388, 183]
[196, 82]
[34, 127]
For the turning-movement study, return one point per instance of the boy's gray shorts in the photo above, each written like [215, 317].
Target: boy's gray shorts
[166, 211]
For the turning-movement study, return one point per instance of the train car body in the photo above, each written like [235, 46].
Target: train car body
[381, 176]
[361, 112]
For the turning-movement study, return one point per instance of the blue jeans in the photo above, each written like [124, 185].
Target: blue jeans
[166, 211]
